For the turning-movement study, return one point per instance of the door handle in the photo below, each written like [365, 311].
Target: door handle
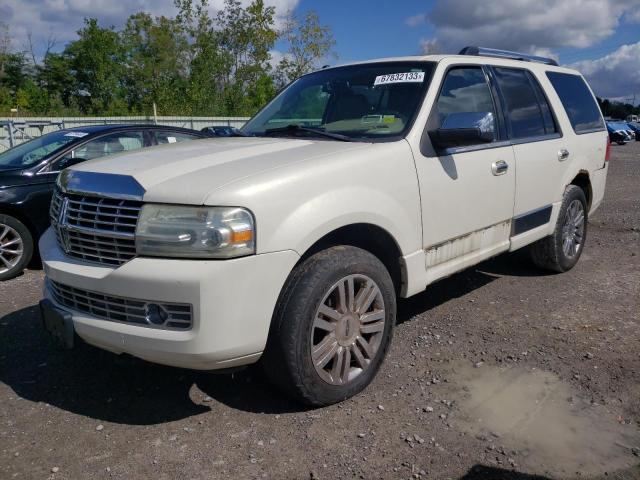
[499, 168]
[563, 154]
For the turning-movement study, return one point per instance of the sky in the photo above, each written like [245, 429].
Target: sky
[599, 37]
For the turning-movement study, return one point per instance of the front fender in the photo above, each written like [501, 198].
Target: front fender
[298, 204]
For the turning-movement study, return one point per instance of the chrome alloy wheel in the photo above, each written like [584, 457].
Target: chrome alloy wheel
[573, 229]
[11, 248]
[348, 328]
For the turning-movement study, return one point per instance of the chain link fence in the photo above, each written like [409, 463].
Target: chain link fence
[21, 129]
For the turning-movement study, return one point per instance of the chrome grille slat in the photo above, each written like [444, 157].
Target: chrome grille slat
[95, 229]
[120, 309]
[104, 214]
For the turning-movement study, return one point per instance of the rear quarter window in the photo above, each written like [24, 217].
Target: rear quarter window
[577, 100]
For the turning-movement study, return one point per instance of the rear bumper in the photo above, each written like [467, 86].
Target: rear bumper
[233, 302]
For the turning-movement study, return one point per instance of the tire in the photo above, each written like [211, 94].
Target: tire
[553, 252]
[16, 247]
[304, 320]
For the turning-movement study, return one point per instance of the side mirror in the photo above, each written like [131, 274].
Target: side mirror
[464, 129]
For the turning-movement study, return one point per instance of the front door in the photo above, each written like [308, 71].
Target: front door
[467, 193]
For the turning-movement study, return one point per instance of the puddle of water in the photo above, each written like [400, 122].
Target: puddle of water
[553, 429]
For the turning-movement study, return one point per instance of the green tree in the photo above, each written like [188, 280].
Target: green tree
[97, 63]
[56, 78]
[156, 59]
[207, 71]
[247, 36]
[309, 41]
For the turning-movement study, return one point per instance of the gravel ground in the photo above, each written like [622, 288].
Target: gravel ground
[500, 372]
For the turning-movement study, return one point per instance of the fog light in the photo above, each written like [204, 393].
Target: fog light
[155, 314]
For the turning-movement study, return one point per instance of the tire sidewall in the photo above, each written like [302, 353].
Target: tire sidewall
[327, 270]
[27, 246]
[572, 193]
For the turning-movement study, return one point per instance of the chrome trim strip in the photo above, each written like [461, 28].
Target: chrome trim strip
[101, 233]
[110, 185]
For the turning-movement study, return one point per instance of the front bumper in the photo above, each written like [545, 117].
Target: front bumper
[233, 302]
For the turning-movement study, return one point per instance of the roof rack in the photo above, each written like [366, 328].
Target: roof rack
[492, 52]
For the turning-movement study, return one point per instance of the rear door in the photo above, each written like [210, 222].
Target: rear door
[541, 152]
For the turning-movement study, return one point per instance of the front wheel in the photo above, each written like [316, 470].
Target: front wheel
[332, 327]
[16, 247]
[561, 250]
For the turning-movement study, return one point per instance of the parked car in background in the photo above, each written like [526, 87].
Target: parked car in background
[635, 127]
[619, 132]
[29, 170]
[356, 185]
[222, 131]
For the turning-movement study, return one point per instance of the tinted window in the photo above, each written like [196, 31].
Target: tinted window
[163, 137]
[101, 147]
[547, 116]
[32, 152]
[524, 114]
[110, 144]
[464, 90]
[578, 102]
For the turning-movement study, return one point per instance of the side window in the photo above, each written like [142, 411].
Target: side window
[163, 137]
[524, 114]
[549, 122]
[101, 147]
[465, 100]
[578, 102]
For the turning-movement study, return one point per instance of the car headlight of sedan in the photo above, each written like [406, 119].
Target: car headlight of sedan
[195, 232]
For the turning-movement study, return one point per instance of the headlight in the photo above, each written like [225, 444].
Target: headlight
[195, 232]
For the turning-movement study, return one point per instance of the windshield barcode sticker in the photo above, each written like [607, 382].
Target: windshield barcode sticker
[415, 77]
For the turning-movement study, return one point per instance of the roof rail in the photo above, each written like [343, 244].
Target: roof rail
[492, 52]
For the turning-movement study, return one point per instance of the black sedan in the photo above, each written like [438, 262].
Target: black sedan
[29, 170]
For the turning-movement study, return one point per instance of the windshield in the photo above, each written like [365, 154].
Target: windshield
[32, 152]
[370, 101]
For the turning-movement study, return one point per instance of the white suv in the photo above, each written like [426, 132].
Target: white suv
[290, 242]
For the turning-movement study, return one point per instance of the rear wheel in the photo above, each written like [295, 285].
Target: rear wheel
[561, 250]
[333, 326]
[16, 247]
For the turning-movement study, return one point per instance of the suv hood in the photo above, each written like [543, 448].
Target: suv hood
[187, 172]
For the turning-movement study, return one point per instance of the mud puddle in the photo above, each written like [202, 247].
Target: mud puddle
[552, 429]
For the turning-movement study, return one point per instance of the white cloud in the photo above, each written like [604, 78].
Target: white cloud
[429, 46]
[615, 75]
[60, 19]
[527, 25]
[416, 20]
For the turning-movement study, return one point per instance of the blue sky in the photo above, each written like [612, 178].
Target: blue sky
[600, 37]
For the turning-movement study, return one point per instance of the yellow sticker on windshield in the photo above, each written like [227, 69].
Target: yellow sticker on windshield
[388, 118]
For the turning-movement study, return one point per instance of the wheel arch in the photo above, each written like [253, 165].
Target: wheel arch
[583, 181]
[367, 236]
[22, 218]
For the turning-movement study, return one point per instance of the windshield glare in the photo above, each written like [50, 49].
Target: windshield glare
[370, 101]
[32, 152]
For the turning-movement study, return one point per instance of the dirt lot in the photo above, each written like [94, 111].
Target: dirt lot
[501, 372]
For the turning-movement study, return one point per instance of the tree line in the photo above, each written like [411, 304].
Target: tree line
[617, 110]
[192, 64]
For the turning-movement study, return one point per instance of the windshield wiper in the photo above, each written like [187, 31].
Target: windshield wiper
[293, 128]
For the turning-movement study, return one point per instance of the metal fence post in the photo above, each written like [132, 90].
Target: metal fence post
[10, 128]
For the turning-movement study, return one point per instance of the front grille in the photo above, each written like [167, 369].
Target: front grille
[178, 316]
[96, 229]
